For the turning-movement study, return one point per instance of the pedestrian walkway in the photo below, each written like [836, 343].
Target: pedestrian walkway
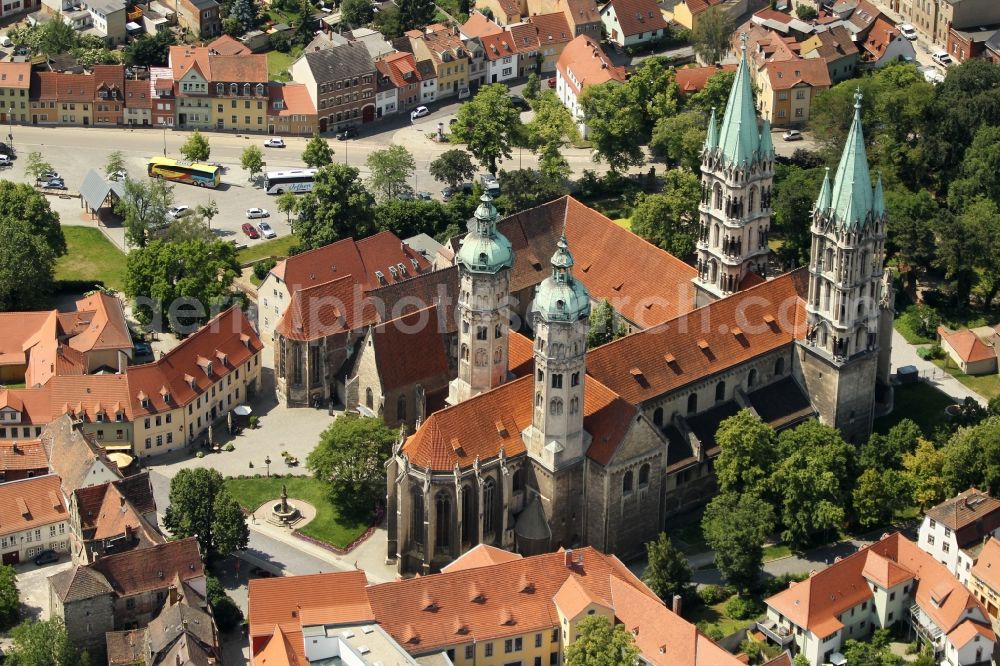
[904, 353]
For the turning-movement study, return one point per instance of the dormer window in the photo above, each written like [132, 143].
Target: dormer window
[220, 88]
[234, 89]
[260, 89]
[208, 368]
[119, 416]
[246, 89]
[99, 417]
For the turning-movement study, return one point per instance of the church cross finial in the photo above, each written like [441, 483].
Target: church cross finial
[743, 41]
[857, 97]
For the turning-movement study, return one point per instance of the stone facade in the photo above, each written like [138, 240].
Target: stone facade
[87, 620]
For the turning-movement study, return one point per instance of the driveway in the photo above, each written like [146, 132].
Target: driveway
[33, 586]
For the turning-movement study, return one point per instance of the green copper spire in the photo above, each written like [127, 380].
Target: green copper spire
[825, 198]
[878, 206]
[561, 297]
[484, 249]
[739, 138]
[712, 138]
[852, 186]
[766, 147]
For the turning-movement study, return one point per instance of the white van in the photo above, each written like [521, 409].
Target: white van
[5, 41]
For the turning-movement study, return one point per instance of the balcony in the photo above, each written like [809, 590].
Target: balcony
[927, 630]
[775, 632]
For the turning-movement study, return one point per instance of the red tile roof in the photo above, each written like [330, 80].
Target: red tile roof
[227, 342]
[402, 69]
[153, 568]
[44, 86]
[971, 515]
[589, 65]
[22, 455]
[520, 354]
[15, 75]
[969, 347]
[787, 74]
[692, 79]
[481, 555]
[552, 28]
[881, 35]
[411, 350]
[326, 309]
[226, 45]
[500, 45]
[31, 503]
[698, 6]
[83, 397]
[637, 16]
[478, 26]
[242, 68]
[525, 36]
[137, 94]
[704, 341]
[106, 327]
[289, 602]
[294, 97]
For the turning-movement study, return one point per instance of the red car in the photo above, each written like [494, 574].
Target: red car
[552, 82]
[250, 230]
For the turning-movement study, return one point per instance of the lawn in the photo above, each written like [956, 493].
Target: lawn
[278, 64]
[91, 256]
[279, 247]
[624, 223]
[921, 403]
[776, 551]
[327, 526]
[987, 386]
[707, 617]
[905, 327]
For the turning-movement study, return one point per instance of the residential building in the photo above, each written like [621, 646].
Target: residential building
[126, 591]
[386, 91]
[479, 66]
[504, 12]
[888, 582]
[501, 57]
[22, 459]
[788, 88]
[292, 112]
[401, 70]
[954, 531]
[341, 84]
[138, 103]
[109, 97]
[33, 518]
[229, 46]
[583, 63]
[44, 96]
[15, 84]
[489, 608]
[553, 35]
[376, 43]
[630, 22]
[687, 12]
[113, 517]
[218, 91]
[178, 397]
[108, 18]
[694, 79]
[201, 17]
[528, 47]
[836, 49]
[984, 581]
[75, 457]
[76, 94]
[583, 16]
[883, 44]
[162, 110]
[183, 633]
[970, 43]
[478, 25]
[968, 351]
[935, 19]
[992, 48]
[444, 48]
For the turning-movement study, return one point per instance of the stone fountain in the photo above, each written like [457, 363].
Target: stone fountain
[283, 512]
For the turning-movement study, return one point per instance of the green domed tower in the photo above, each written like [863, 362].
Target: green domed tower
[484, 263]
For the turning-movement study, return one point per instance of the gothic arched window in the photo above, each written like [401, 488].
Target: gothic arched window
[575, 379]
[401, 408]
[715, 235]
[752, 378]
[497, 357]
[442, 515]
[658, 416]
[750, 199]
[692, 403]
[718, 196]
[465, 352]
[481, 358]
[720, 391]
[369, 398]
[556, 407]
[468, 514]
[538, 400]
[779, 367]
[489, 503]
[627, 483]
[417, 517]
[644, 475]
[574, 405]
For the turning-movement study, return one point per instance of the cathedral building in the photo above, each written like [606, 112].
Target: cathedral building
[601, 447]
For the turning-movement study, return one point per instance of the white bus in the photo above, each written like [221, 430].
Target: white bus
[295, 180]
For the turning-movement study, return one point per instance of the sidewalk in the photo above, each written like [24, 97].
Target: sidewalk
[906, 354]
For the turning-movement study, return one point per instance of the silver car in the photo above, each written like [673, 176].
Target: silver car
[255, 213]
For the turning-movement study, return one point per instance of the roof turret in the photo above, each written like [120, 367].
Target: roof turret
[739, 137]
[484, 249]
[853, 200]
[825, 198]
[712, 137]
[561, 297]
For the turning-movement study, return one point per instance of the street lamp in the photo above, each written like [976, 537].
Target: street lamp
[267, 462]
[164, 140]
[10, 133]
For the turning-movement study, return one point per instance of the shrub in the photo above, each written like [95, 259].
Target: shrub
[200, 454]
[713, 594]
[254, 420]
[229, 447]
[778, 583]
[263, 267]
[711, 631]
[930, 353]
[743, 608]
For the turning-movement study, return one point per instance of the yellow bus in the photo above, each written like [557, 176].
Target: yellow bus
[182, 171]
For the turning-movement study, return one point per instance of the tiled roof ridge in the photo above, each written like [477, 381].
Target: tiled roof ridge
[186, 342]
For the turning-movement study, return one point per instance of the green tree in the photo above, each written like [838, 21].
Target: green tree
[982, 218]
[351, 457]
[57, 37]
[288, 203]
[252, 160]
[879, 494]
[207, 211]
[192, 502]
[667, 572]
[887, 451]
[679, 139]
[180, 285]
[23, 202]
[28, 266]
[44, 643]
[800, 660]
[389, 22]
[416, 13]
[613, 123]
[736, 527]
[813, 481]
[972, 457]
[317, 153]
[913, 219]
[924, 468]
[196, 148]
[600, 643]
[872, 652]
[229, 525]
[748, 455]
[390, 171]
[150, 50]
[10, 600]
[231, 26]
[526, 188]
[408, 217]
[714, 95]
[35, 166]
[453, 167]
[227, 614]
[710, 37]
[670, 220]
[959, 252]
[795, 191]
[654, 92]
[357, 12]
[549, 130]
[245, 12]
[305, 24]
[338, 207]
[189, 227]
[115, 163]
[605, 325]
[487, 125]
[532, 87]
[143, 208]
[806, 12]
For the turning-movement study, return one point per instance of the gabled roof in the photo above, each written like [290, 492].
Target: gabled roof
[969, 347]
[987, 567]
[75, 87]
[217, 68]
[84, 396]
[283, 602]
[573, 597]
[478, 26]
[439, 288]
[525, 36]
[72, 455]
[787, 74]
[79, 582]
[31, 503]
[698, 6]
[226, 45]
[402, 69]
[588, 63]
[106, 511]
[126, 648]
[499, 45]
[637, 16]
[864, 15]
[411, 350]
[326, 309]
[294, 97]
[137, 94]
[692, 79]
[881, 35]
[552, 28]
[22, 455]
[176, 620]
[15, 75]
[481, 555]
[281, 649]
[884, 572]
[832, 45]
[153, 568]
[44, 86]
[971, 515]
[339, 62]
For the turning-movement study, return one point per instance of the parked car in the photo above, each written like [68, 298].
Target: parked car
[552, 82]
[490, 184]
[426, 196]
[419, 112]
[250, 230]
[275, 142]
[55, 184]
[5, 161]
[46, 557]
[942, 58]
[792, 135]
[257, 572]
[464, 93]
[143, 349]
[349, 133]
[118, 176]
[908, 31]
[254, 213]
[266, 231]
[177, 212]
[520, 103]
[49, 175]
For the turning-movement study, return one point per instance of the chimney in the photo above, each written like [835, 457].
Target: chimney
[568, 558]
[676, 605]
[14, 449]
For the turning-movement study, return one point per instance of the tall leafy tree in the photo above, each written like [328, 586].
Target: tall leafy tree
[305, 24]
[252, 160]
[879, 494]
[670, 220]
[57, 37]
[749, 452]
[714, 95]
[488, 124]
[22, 202]
[736, 528]
[389, 21]
[150, 50]
[679, 139]
[288, 203]
[390, 171]
[192, 502]
[453, 167]
[416, 13]
[143, 208]
[318, 152]
[28, 265]
[959, 252]
[711, 35]
[913, 219]
[44, 643]
[532, 87]
[972, 457]
[10, 601]
[887, 451]
[599, 642]
[924, 469]
[982, 218]
[115, 163]
[196, 148]
[667, 572]
[407, 217]
[338, 207]
[614, 122]
[550, 129]
[226, 613]
[245, 12]
[229, 525]
[979, 170]
[604, 325]
[795, 191]
[357, 12]
[654, 91]
[526, 188]
[351, 457]
[35, 166]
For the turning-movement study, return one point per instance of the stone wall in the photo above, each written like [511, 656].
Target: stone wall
[87, 620]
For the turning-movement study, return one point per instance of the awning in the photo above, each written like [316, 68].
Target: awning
[95, 190]
[111, 448]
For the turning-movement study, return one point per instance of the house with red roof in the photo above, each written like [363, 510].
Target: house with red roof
[883, 44]
[688, 12]
[501, 56]
[583, 63]
[553, 35]
[631, 22]
[291, 111]
[954, 531]
[970, 352]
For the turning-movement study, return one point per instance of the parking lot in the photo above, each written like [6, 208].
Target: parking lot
[33, 586]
